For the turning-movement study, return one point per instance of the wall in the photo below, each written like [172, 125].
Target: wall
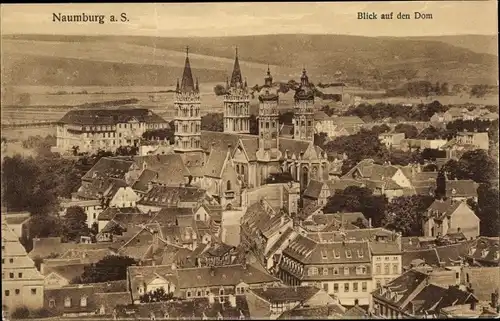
[272, 193]
[383, 260]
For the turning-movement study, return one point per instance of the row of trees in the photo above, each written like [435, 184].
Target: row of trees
[380, 111]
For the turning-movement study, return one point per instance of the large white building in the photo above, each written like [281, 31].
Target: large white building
[87, 130]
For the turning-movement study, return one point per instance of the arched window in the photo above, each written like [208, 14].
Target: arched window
[191, 112]
[238, 168]
[242, 169]
[83, 301]
[228, 185]
[67, 302]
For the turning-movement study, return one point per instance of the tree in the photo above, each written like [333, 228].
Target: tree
[109, 268]
[157, 295]
[488, 209]
[320, 139]
[327, 110]
[19, 182]
[161, 133]
[445, 88]
[213, 122]
[478, 166]
[45, 226]
[380, 129]
[404, 214]
[432, 132]
[364, 144]
[75, 223]
[358, 199]
[410, 131]
[220, 90]
[127, 151]
[440, 192]
[479, 91]
[21, 312]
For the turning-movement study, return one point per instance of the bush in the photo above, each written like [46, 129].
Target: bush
[20, 313]
[41, 313]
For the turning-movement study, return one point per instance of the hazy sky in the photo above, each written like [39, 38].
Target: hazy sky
[232, 19]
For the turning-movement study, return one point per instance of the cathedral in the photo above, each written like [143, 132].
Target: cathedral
[227, 162]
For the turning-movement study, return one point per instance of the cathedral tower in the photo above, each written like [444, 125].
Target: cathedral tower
[303, 122]
[187, 115]
[236, 102]
[268, 115]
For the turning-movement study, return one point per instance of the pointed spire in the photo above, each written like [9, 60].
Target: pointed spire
[304, 79]
[177, 87]
[245, 85]
[187, 83]
[268, 80]
[236, 76]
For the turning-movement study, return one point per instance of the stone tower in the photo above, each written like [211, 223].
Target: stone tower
[268, 115]
[187, 115]
[236, 103]
[303, 122]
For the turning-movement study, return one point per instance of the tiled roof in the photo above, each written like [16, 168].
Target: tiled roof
[433, 298]
[108, 167]
[69, 272]
[286, 131]
[110, 300]
[73, 294]
[230, 275]
[110, 212]
[170, 195]
[313, 189]
[258, 219]
[194, 309]
[109, 116]
[484, 281]
[141, 184]
[170, 168]
[332, 311]
[405, 286]
[168, 215]
[215, 164]
[285, 294]
[485, 250]
[356, 312]
[461, 188]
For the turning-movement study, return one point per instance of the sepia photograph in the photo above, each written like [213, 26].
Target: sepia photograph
[250, 160]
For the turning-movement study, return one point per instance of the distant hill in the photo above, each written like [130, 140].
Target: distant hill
[151, 61]
[477, 43]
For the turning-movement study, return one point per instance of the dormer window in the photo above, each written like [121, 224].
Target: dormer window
[336, 254]
[472, 250]
[360, 253]
[484, 253]
[67, 302]
[325, 271]
[335, 271]
[497, 255]
[346, 271]
[348, 254]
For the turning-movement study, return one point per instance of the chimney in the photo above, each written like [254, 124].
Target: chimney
[369, 223]
[232, 301]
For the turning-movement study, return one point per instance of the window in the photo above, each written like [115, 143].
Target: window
[335, 287]
[395, 268]
[378, 258]
[11, 260]
[325, 287]
[11, 275]
[7, 292]
[378, 284]
[83, 301]
[387, 268]
[335, 271]
[67, 302]
[355, 287]
[188, 294]
[348, 254]
[346, 287]
[33, 291]
[336, 254]
[378, 268]
[346, 271]
[364, 286]
[325, 271]
[52, 303]
[360, 253]
[313, 271]
[19, 275]
[17, 291]
[221, 291]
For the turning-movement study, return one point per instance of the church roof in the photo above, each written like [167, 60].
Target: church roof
[187, 83]
[236, 76]
[305, 90]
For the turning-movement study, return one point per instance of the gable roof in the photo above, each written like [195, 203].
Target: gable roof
[170, 195]
[69, 272]
[109, 116]
[461, 188]
[229, 275]
[313, 189]
[285, 294]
